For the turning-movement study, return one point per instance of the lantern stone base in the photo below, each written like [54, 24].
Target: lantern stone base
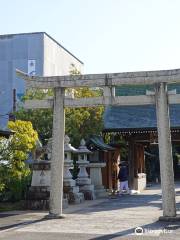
[89, 187]
[73, 194]
[86, 188]
[69, 182]
[140, 182]
[100, 192]
[89, 195]
[75, 198]
[96, 178]
[42, 204]
[74, 189]
[88, 191]
[38, 198]
[83, 181]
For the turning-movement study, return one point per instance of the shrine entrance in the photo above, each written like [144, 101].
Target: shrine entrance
[160, 97]
[142, 153]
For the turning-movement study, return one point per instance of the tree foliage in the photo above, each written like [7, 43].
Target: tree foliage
[23, 142]
[82, 122]
[41, 119]
[13, 153]
[79, 122]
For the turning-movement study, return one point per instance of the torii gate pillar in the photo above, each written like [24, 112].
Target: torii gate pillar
[57, 161]
[165, 152]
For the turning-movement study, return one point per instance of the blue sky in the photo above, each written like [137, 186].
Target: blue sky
[107, 35]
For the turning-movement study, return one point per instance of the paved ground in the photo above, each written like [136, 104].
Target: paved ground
[109, 218]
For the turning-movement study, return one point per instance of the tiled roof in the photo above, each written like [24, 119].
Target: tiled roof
[99, 143]
[137, 117]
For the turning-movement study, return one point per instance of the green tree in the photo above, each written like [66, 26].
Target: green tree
[82, 122]
[79, 122]
[13, 153]
[22, 143]
[41, 120]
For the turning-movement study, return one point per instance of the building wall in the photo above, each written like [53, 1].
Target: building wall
[17, 51]
[58, 61]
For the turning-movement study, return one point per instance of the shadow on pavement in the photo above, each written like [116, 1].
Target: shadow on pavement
[8, 227]
[123, 202]
[153, 229]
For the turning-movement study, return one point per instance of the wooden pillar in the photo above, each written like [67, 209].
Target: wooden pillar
[57, 161]
[115, 169]
[143, 159]
[110, 170]
[140, 158]
[131, 162]
[136, 159]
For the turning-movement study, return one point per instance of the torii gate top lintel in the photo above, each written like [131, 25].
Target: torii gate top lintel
[100, 80]
[107, 82]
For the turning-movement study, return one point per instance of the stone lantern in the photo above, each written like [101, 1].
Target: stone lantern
[39, 191]
[83, 180]
[68, 162]
[69, 185]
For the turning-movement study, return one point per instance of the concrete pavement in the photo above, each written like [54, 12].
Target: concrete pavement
[108, 218]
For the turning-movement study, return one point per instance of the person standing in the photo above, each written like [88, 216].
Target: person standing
[123, 178]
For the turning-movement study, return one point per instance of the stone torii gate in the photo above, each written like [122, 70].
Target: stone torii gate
[161, 99]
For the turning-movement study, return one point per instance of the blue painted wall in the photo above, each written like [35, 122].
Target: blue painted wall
[15, 51]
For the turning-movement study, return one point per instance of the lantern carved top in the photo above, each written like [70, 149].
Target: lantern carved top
[67, 145]
[82, 148]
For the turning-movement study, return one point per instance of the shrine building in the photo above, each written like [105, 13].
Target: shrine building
[137, 125]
